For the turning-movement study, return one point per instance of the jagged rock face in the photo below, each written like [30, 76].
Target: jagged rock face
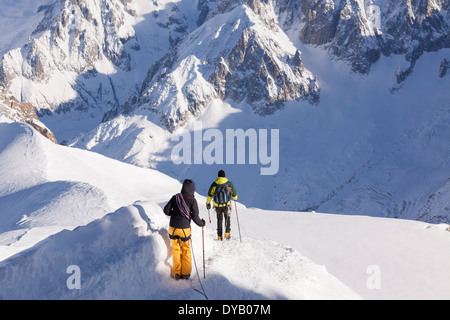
[420, 26]
[360, 31]
[437, 203]
[268, 82]
[22, 112]
[86, 55]
[443, 68]
[239, 53]
[13, 109]
[75, 37]
[345, 27]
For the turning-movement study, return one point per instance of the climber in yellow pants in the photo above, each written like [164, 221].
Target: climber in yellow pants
[182, 208]
[181, 252]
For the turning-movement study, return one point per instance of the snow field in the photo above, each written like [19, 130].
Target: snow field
[379, 258]
[123, 254]
[63, 207]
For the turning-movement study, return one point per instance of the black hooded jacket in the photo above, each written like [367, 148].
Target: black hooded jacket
[177, 220]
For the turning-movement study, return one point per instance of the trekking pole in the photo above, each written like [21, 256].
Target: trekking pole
[209, 216]
[198, 276]
[237, 217]
[203, 242]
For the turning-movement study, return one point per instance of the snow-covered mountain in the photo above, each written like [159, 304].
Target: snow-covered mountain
[362, 31]
[92, 49]
[74, 234]
[238, 53]
[358, 90]
[74, 38]
[86, 55]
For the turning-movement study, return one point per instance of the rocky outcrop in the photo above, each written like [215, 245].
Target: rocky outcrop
[360, 31]
[268, 83]
[437, 208]
[443, 68]
[14, 110]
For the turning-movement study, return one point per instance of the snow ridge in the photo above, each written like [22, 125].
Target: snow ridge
[88, 233]
[121, 256]
[124, 254]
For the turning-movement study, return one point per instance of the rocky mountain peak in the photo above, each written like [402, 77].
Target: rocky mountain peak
[76, 38]
[238, 53]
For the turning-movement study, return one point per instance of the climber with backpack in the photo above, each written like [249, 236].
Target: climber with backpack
[182, 208]
[221, 192]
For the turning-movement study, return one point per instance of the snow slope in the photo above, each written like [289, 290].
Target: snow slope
[124, 256]
[64, 207]
[47, 187]
[54, 205]
[411, 258]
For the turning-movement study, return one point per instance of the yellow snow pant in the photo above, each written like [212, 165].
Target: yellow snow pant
[181, 251]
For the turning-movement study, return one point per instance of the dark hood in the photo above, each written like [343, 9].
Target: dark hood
[188, 188]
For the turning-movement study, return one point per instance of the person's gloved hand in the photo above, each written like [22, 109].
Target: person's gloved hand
[208, 206]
